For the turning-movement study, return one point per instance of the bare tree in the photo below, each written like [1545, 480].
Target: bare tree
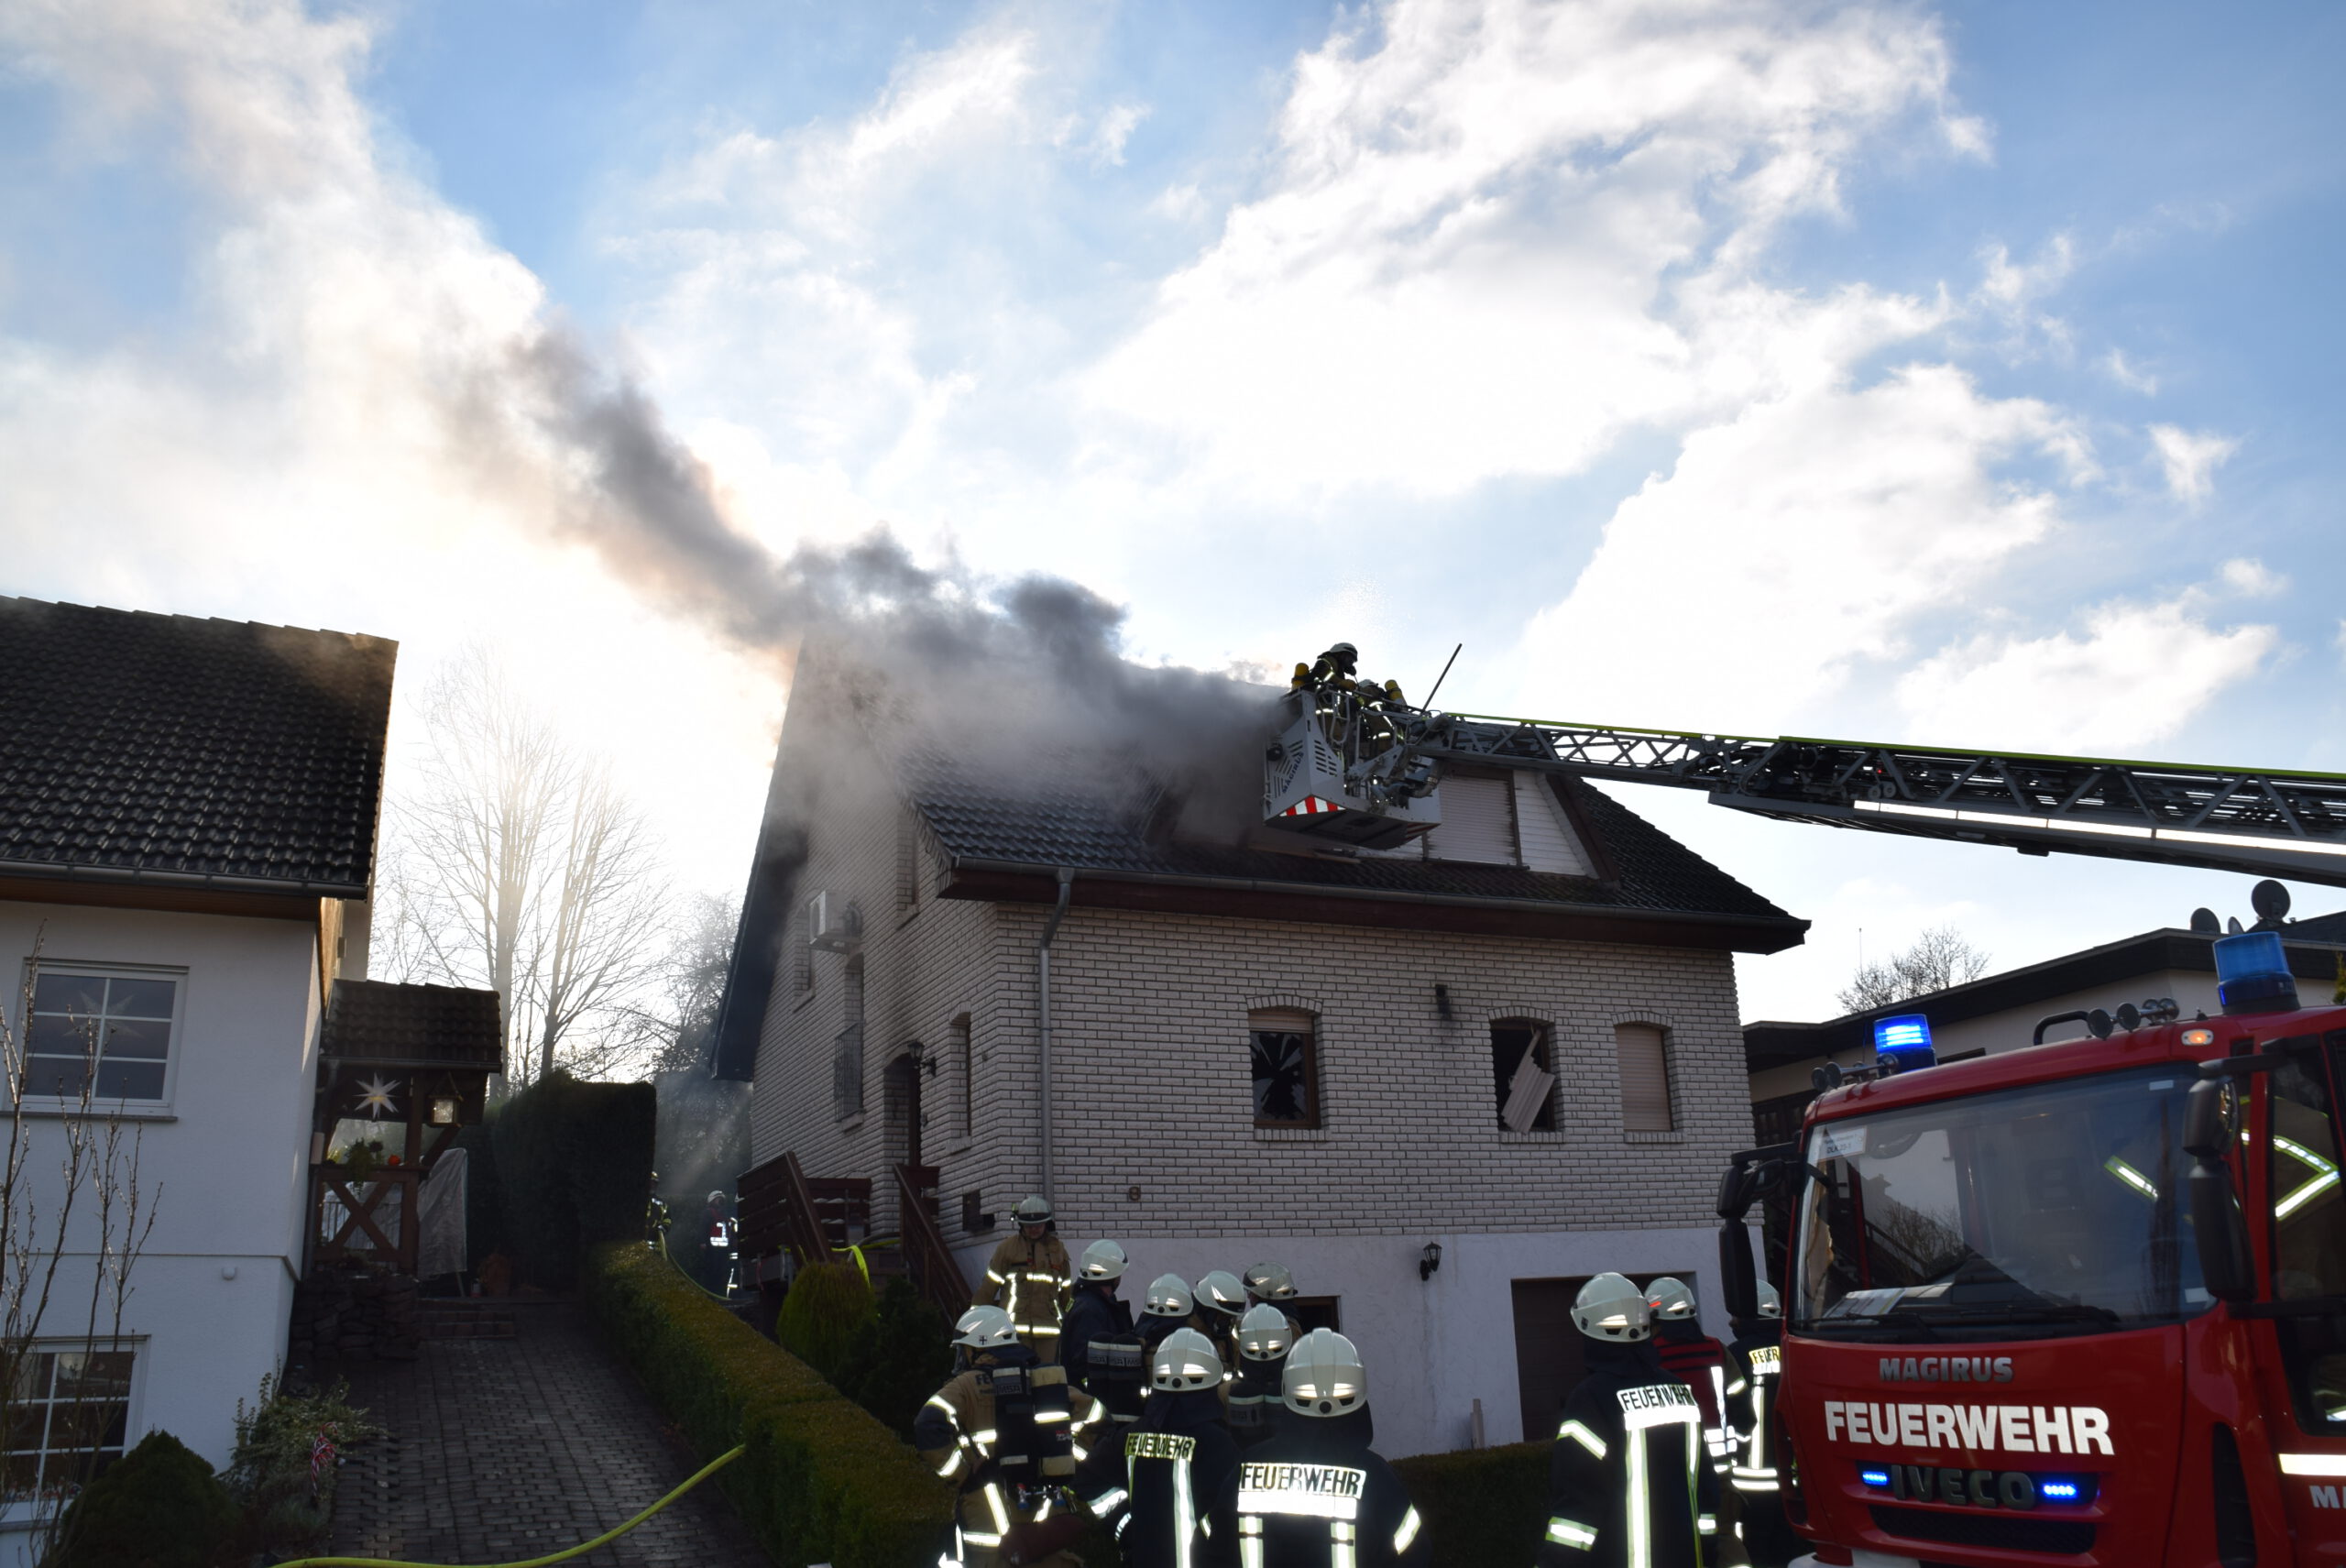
[97, 1166]
[515, 864]
[1940, 957]
[697, 965]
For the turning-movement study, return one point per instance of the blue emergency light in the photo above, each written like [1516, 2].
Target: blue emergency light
[1904, 1042]
[1874, 1477]
[2252, 973]
[2059, 1491]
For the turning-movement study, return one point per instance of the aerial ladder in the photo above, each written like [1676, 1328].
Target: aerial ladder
[1352, 770]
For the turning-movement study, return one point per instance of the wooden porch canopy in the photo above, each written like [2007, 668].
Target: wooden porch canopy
[414, 1059]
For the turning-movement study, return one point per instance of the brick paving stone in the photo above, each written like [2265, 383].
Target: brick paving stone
[502, 1450]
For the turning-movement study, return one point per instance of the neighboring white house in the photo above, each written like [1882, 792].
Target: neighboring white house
[186, 833]
[1260, 1048]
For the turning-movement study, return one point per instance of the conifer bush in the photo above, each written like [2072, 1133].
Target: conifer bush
[900, 1355]
[827, 1305]
[159, 1506]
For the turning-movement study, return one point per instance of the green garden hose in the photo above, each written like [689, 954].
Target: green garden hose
[689, 1278]
[703, 1474]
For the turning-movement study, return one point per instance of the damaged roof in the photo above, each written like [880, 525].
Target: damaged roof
[170, 750]
[377, 1022]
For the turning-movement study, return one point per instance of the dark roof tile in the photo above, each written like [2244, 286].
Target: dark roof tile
[440, 1025]
[175, 748]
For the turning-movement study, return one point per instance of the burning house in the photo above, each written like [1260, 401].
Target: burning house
[1444, 1067]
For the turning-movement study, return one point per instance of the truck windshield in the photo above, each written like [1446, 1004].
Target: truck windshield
[2057, 1208]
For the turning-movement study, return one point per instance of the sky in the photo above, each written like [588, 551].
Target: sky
[1951, 373]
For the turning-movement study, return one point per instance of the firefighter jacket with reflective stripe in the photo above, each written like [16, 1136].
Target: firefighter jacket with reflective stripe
[1103, 1352]
[1630, 1484]
[1156, 1480]
[1253, 1399]
[1314, 1496]
[1031, 1280]
[1697, 1360]
[1009, 1433]
[1755, 1360]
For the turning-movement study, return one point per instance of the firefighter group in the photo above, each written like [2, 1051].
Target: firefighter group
[1212, 1432]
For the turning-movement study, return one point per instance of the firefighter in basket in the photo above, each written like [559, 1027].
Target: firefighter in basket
[1332, 671]
[1629, 1482]
[1103, 1351]
[1315, 1495]
[1028, 1277]
[1156, 1480]
[1265, 1335]
[1011, 1434]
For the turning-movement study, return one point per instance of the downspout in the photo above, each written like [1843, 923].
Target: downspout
[1043, 983]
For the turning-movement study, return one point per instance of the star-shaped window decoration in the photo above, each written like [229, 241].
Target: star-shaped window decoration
[374, 1097]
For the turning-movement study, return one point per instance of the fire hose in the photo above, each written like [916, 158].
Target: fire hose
[703, 1474]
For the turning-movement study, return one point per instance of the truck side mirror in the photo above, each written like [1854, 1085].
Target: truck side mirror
[2227, 1265]
[1739, 1279]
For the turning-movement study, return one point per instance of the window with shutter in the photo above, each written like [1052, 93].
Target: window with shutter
[1477, 820]
[1524, 1075]
[1643, 1051]
[1549, 842]
[1283, 1058]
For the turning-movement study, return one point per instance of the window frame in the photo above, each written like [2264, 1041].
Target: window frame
[23, 1513]
[1543, 1046]
[174, 1043]
[1315, 1116]
[1669, 1078]
[962, 1033]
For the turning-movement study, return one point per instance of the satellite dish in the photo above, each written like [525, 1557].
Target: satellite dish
[2204, 921]
[2269, 899]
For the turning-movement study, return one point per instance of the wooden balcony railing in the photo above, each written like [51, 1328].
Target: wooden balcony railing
[374, 1218]
[934, 1270]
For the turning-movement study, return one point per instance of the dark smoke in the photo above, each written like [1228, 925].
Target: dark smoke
[1010, 680]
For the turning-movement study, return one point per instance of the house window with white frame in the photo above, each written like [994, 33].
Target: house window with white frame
[69, 1420]
[119, 1022]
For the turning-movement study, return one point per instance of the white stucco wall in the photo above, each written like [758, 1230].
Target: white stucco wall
[227, 1160]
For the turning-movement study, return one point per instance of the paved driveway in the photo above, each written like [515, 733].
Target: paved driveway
[502, 1450]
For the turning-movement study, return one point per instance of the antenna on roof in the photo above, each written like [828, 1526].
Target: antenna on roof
[1445, 675]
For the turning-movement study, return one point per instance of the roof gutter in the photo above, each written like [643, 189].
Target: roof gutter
[1043, 986]
[1384, 895]
[135, 876]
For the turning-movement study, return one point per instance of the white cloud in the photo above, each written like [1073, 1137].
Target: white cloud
[2190, 459]
[1498, 235]
[1790, 547]
[2128, 374]
[2251, 579]
[2137, 676]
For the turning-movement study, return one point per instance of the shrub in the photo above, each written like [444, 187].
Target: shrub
[158, 1506]
[269, 1471]
[900, 1354]
[822, 1481]
[573, 1170]
[827, 1304]
[1481, 1504]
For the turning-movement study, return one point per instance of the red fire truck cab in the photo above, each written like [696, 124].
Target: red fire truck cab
[2079, 1304]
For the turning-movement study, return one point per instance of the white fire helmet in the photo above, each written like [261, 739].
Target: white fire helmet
[985, 1328]
[1771, 1305]
[1222, 1291]
[1169, 1297]
[1101, 1261]
[1270, 1282]
[1263, 1334]
[1671, 1300]
[1033, 1211]
[1323, 1376]
[1184, 1361]
[1609, 1308]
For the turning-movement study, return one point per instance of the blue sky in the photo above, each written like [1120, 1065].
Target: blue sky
[1961, 373]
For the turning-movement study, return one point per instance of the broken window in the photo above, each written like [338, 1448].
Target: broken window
[1523, 1071]
[1644, 1056]
[1285, 1058]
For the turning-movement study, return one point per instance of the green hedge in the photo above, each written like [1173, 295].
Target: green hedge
[573, 1170]
[1481, 1506]
[822, 1482]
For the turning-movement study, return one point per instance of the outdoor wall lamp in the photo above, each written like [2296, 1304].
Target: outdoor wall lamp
[444, 1111]
[1428, 1260]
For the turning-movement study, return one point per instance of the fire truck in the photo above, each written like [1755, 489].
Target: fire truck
[2078, 1304]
